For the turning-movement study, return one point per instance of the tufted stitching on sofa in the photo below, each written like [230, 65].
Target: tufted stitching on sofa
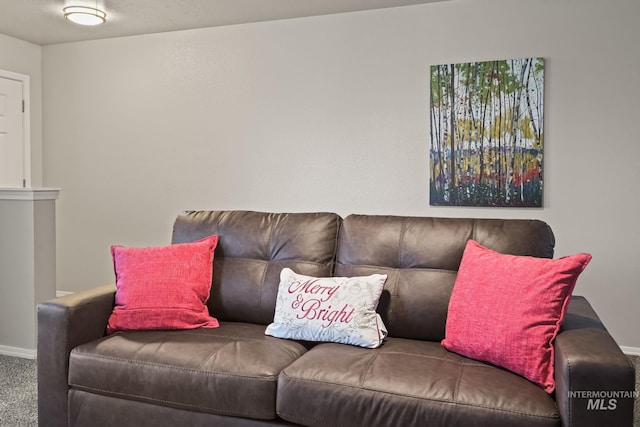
[213, 353]
[456, 390]
[420, 398]
[474, 228]
[366, 370]
[334, 260]
[403, 230]
[381, 269]
[129, 361]
[393, 290]
[269, 379]
[262, 261]
[137, 350]
[142, 398]
[265, 268]
[466, 367]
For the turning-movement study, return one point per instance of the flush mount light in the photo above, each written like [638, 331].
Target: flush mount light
[84, 15]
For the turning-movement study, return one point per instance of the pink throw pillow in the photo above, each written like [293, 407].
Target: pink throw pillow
[164, 287]
[507, 309]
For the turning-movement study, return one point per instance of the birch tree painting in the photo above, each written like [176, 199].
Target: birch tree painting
[487, 133]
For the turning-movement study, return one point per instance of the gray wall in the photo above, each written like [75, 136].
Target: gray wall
[20, 259]
[27, 266]
[17, 295]
[331, 113]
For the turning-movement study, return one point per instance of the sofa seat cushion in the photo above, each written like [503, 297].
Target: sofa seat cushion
[407, 383]
[231, 370]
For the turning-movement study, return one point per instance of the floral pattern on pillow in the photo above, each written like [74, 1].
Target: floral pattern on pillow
[329, 309]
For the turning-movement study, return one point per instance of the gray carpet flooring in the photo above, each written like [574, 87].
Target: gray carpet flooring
[18, 392]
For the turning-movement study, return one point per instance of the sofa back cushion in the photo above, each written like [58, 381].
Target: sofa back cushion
[253, 247]
[421, 256]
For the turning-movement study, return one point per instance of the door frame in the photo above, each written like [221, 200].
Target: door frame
[26, 122]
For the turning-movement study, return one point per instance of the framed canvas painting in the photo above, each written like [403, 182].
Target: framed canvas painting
[487, 133]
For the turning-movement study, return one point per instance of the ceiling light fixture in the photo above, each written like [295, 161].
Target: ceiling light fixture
[84, 15]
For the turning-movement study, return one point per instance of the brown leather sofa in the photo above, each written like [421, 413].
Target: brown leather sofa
[236, 376]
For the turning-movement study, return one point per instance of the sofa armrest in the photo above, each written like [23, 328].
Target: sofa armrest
[595, 381]
[64, 323]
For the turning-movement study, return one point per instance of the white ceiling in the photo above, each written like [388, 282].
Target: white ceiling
[41, 21]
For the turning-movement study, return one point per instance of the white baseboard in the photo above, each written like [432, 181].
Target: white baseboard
[18, 352]
[630, 351]
[25, 353]
[62, 293]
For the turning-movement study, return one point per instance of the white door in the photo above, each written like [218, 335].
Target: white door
[11, 134]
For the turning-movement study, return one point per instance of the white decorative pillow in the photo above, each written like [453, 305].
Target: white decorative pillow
[334, 309]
